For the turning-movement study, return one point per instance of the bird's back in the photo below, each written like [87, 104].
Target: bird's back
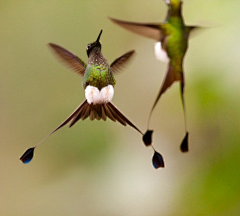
[98, 72]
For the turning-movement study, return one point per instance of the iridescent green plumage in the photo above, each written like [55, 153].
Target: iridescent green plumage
[98, 72]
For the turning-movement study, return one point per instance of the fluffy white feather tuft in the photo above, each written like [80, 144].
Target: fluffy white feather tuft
[94, 96]
[107, 93]
[160, 53]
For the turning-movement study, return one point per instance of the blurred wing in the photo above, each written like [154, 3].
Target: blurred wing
[150, 30]
[70, 59]
[190, 28]
[194, 30]
[119, 63]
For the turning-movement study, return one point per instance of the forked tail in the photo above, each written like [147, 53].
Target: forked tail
[171, 76]
[83, 111]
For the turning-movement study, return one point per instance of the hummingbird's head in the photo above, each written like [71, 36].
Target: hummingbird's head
[173, 3]
[174, 7]
[97, 43]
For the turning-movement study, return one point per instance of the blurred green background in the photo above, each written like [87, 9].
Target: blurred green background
[102, 168]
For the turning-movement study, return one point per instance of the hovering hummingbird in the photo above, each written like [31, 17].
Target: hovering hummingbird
[172, 37]
[98, 83]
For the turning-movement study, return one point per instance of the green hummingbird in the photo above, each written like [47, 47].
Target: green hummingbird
[172, 36]
[98, 83]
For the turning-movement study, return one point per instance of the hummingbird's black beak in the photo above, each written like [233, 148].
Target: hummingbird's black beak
[99, 36]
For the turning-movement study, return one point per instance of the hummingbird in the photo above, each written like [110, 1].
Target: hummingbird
[172, 43]
[98, 84]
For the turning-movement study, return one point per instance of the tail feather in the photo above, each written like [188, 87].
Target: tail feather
[104, 117]
[171, 77]
[92, 115]
[74, 113]
[79, 114]
[72, 116]
[98, 111]
[119, 114]
[86, 113]
[97, 116]
[83, 111]
[117, 117]
[108, 112]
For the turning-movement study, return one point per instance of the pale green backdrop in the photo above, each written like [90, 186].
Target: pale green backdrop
[102, 168]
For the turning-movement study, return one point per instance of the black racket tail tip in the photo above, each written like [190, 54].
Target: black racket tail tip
[27, 155]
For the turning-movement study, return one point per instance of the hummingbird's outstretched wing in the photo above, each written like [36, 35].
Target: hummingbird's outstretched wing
[74, 62]
[118, 63]
[194, 30]
[150, 30]
[190, 28]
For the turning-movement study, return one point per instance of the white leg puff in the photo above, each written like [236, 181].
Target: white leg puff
[94, 96]
[107, 93]
[160, 53]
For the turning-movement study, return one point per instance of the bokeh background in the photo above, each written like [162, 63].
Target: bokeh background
[103, 168]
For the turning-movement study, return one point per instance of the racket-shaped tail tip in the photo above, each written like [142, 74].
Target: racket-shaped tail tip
[27, 156]
[147, 138]
[157, 160]
[184, 144]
